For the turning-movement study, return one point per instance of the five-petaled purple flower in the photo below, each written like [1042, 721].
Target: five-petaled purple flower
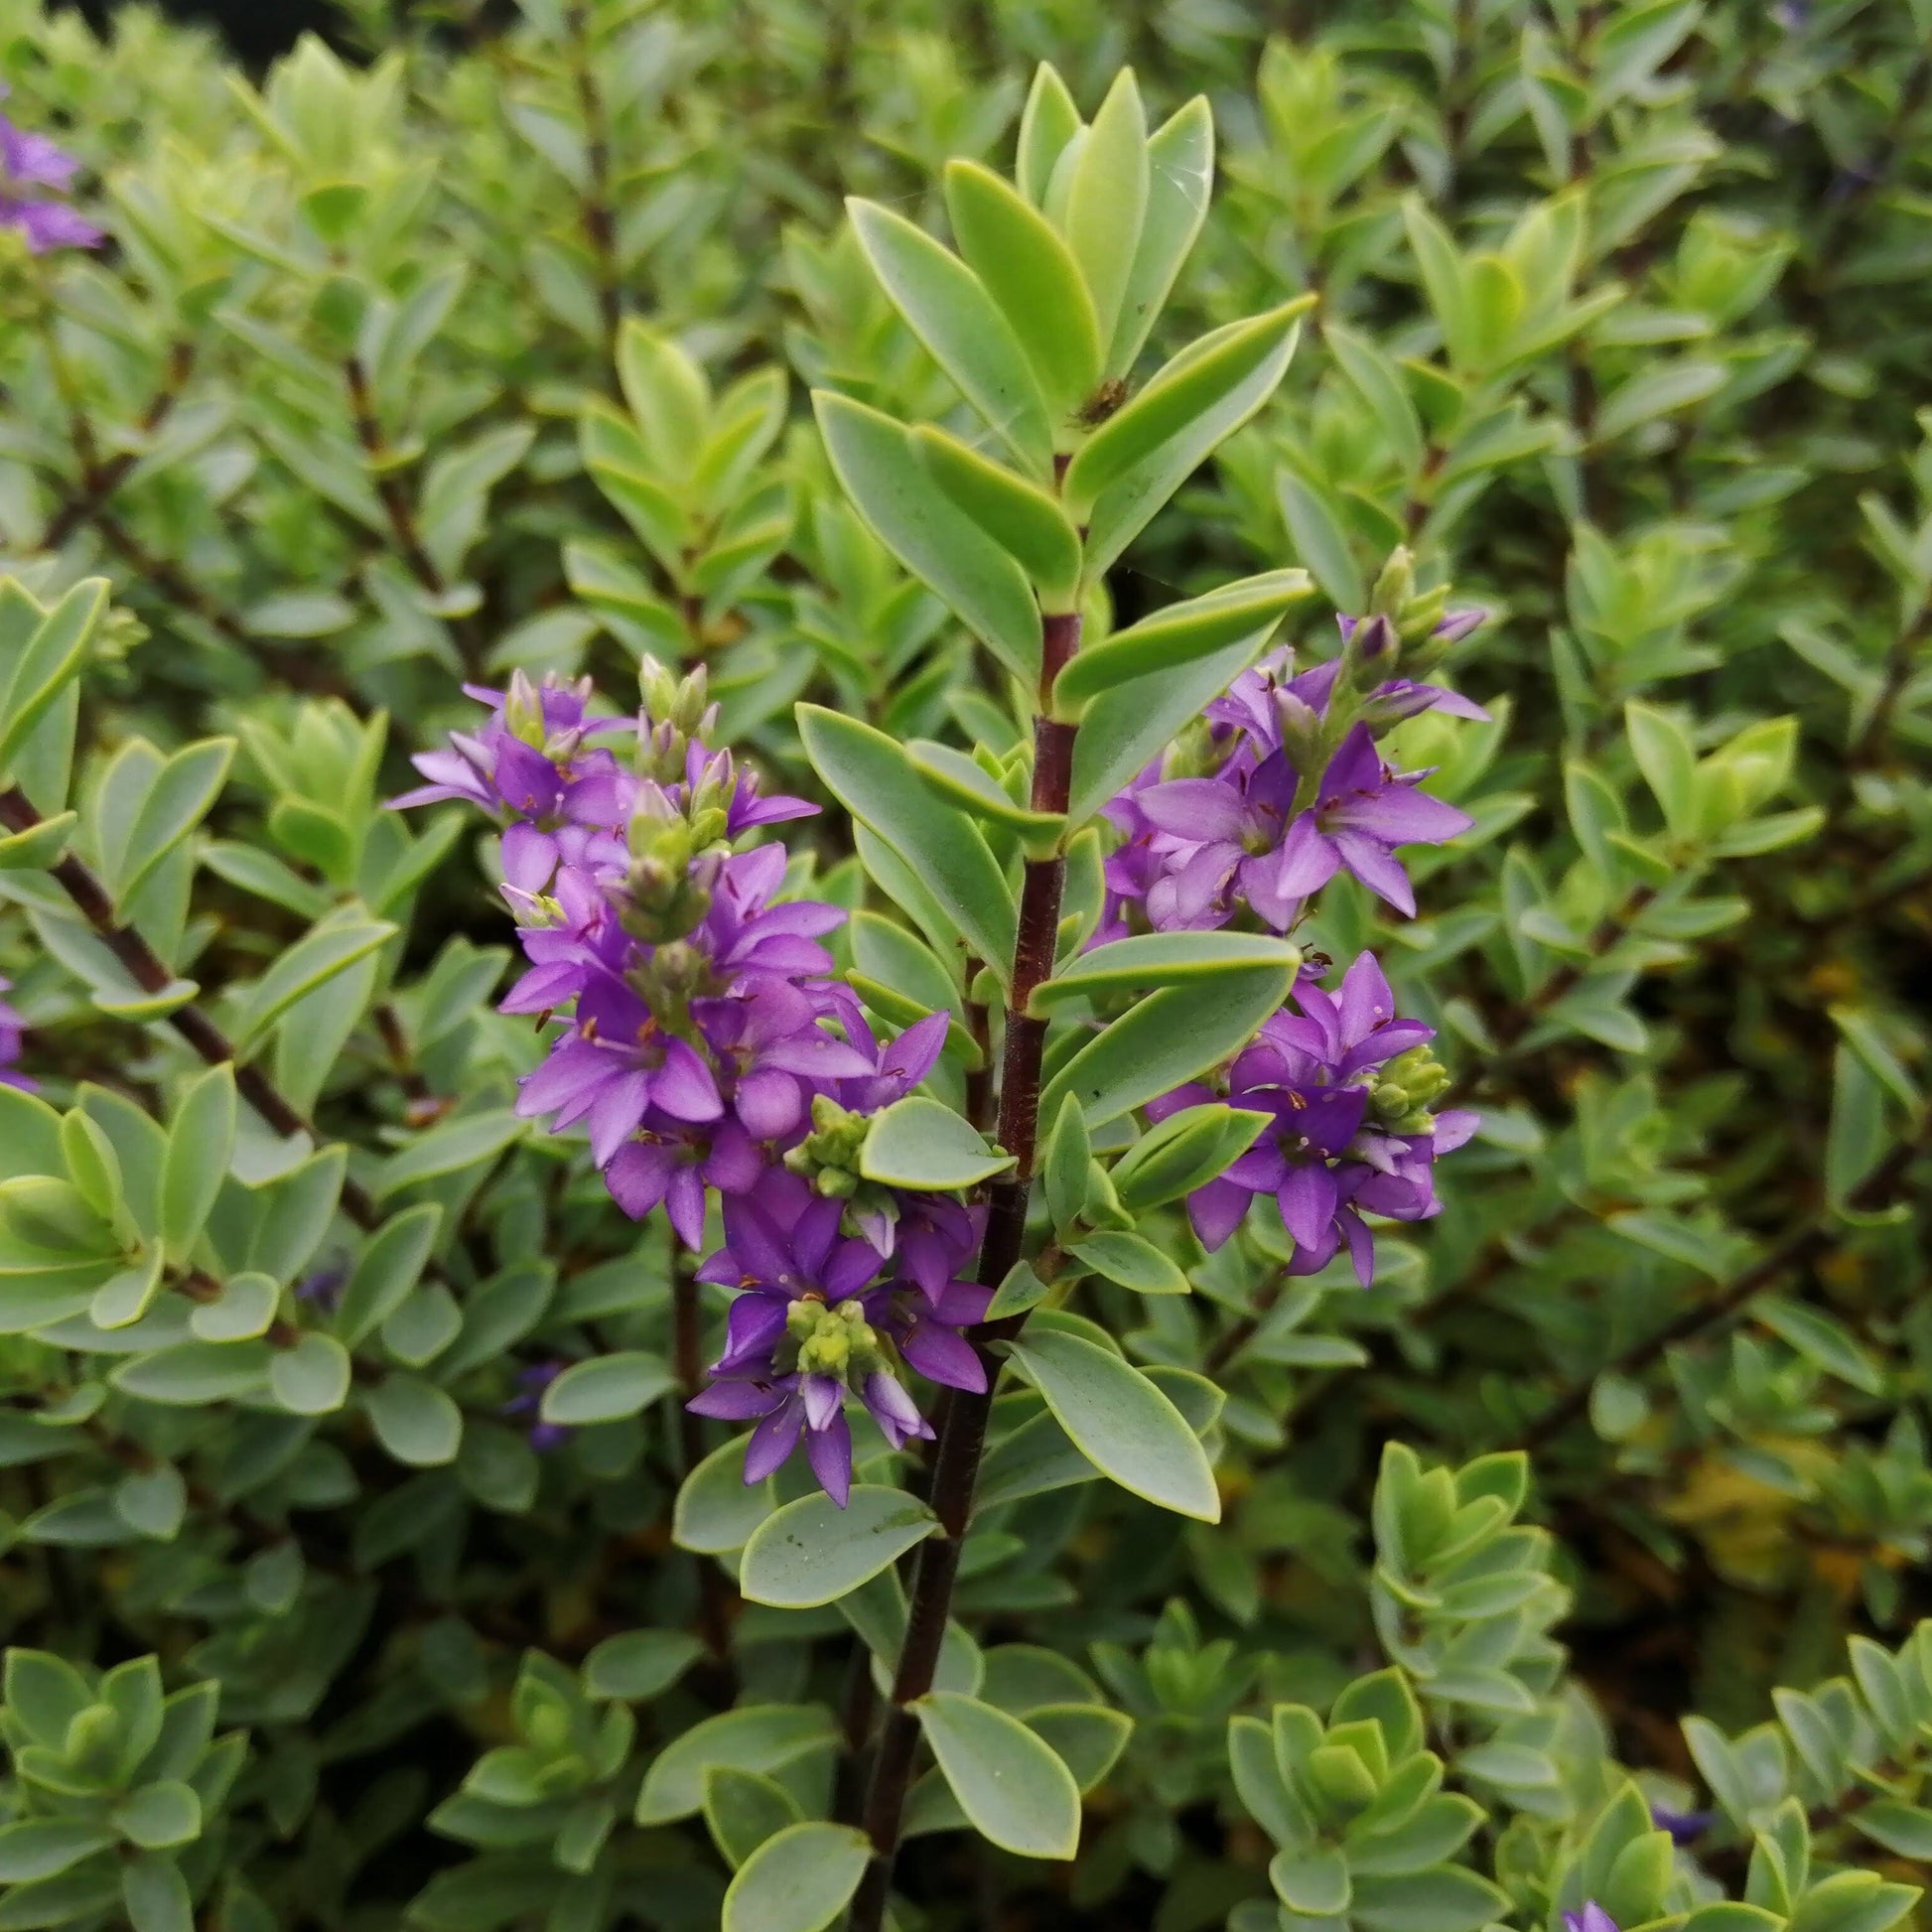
[1346, 1086]
[29, 161]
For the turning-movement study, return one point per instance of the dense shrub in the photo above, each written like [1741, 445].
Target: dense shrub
[1307, 1415]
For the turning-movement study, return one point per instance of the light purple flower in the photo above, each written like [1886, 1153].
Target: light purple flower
[1345, 1138]
[29, 160]
[1362, 811]
[12, 1031]
[1593, 1918]
[1683, 1827]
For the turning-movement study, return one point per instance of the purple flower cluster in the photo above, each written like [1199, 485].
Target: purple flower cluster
[1346, 1087]
[815, 1321]
[29, 162]
[11, 1030]
[701, 1039]
[1283, 811]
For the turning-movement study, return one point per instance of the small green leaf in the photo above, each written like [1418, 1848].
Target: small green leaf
[1170, 1037]
[635, 1666]
[416, 1421]
[606, 1389]
[1020, 517]
[159, 1816]
[1159, 959]
[49, 661]
[1030, 274]
[872, 779]
[751, 1737]
[1107, 200]
[1182, 1153]
[717, 1509]
[923, 1143]
[947, 307]
[1241, 612]
[310, 1378]
[1132, 1262]
[1009, 1781]
[156, 1896]
[1124, 1425]
[1180, 177]
[1313, 1882]
[201, 1143]
[332, 947]
[812, 1552]
[741, 1809]
[798, 1881]
[878, 464]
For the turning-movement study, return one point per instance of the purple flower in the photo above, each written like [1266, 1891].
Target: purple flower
[1593, 1918]
[1346, 1086]
[532, 1379]
[11, 1030]
[29, 160]
[1362, 811]
[810, 1326]
[1683, 1827]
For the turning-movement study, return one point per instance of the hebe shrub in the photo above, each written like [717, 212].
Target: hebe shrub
[1125, 1127]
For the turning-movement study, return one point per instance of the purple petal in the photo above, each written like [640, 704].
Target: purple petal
[824, 1397]
[684, 1204]
[616, 1115]
[773, 1439]
[1308, 858]
[944, 1357]
[639, 1175]
[735, 1400]
[1197, 810]
[1400, 814]
[1308, 1199]
[1370, 861]
[683, 1086]
[829, 1452]
[769, 1104]
[1216, 1209]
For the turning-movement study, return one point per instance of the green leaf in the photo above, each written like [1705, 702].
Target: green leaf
[1020, 517]
[179, 798]
[1239, 614]
[1180, 178]
[454, 1145]
[1904, 1829]
[1126, 728]
[717, 1509]
[416, 1421]
[1182, 1153]
[798, 1881]
[201, 1143]
[606, 1389]
[1048, 123]
[869, 774]
[923, 1143]
[1314, 1883]
[156, 1896]
[948, 307]
[1161, 959]
[812, 1552]
[878, 465]
[1030, 274]
[192, 1374]
[741, 1809]
[392, 1263]
[963, 780]
[751, 1737]
[1124, 1425]
[635, 1666]
[50, 658]
[332, 947]
[1009, 1782]
[1132, 1262]
[1652, 393]
[38, 1848]
[1170, 1037]
[1321, 542]
[1447, 1899]
[1107, 200]
[159, 1816]
[1379, 383]
[1186, 395]
[1667, 759]
[312, 1377]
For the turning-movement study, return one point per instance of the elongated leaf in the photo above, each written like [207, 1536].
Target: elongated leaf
[1031, 273]
[201, 1142]
[812, 1552]
[50, 659]
[1119, 1421]
[179, 800]
[753, 1737]
[1170, 1037]
[1181, 633]
[961, 780]
[1156, 959]
[1180, 178]
[1020, 517]
[330, 948]
[1048, 121]
[923, 1143]
[947, 307]
[869, 774]
[1134, 723]
[798, 1881]
[1009, 1781]
[605, 1388]
[1107, 198]
[880, 469]
[1184, 395]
